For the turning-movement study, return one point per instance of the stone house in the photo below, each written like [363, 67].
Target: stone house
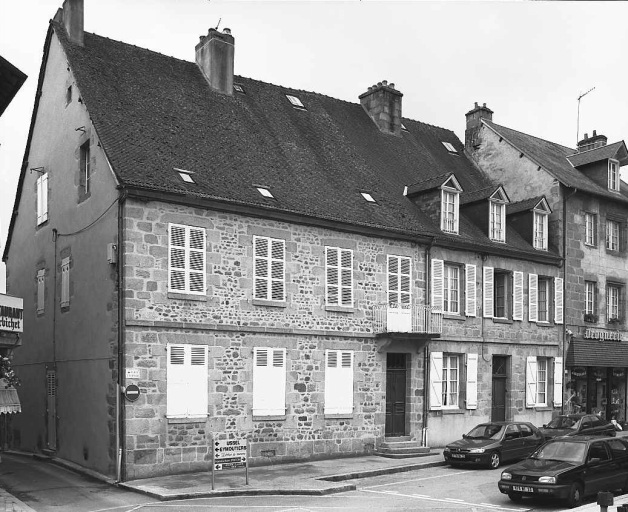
[588, 223]
[314, 275]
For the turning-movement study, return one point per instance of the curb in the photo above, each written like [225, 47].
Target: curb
[384, 471]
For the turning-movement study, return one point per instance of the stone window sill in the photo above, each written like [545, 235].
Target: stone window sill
[269, 417]
[339, 416]
[271, 303]
[340, 309]
[453, 411]
[188, 419]
[187, 296]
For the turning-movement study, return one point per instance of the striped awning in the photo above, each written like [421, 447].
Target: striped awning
[584, 352]
[9, 401]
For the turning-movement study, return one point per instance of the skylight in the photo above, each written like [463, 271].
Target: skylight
[265, 192]
[238, 88]
[185, 175]
[296, 102]
[403, 127]
[449, 147]
[368, 197]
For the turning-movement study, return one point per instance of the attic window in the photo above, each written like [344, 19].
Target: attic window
[368, 197]
[185, 175]
[449, 147]
[296, 102]
[265, 192]
[238, 88]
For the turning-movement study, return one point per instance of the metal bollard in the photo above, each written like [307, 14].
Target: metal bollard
[604, 500]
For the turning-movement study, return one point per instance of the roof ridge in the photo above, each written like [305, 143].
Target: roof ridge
[527, 135]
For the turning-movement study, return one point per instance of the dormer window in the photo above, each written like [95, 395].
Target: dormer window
[613, 175]
[450, 205]
[295, 102]
[540, 231]
[497, 216]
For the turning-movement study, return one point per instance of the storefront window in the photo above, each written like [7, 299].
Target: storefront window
[618, 395]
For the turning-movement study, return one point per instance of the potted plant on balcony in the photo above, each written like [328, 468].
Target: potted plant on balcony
[614, 320]
[590, 317]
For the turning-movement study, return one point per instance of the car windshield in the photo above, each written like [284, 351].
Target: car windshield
[563, 422]
[486, 431]
[561, 451]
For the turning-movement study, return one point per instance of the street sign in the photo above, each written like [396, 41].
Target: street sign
[230, 454]
[132, 392]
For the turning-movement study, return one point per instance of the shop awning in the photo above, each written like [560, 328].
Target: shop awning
[597, 353]
[9, 401]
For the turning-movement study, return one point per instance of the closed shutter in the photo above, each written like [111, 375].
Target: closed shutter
[41, 290]
[176, 398]
[531, 377]
[339, 276]
[488, 292]
[472, 381]
[437, 285]
[65, 282]
[269, 268]
[187, 380]
[269, 381]
[533, 294]
[186, 259]
[558, 300]
[470, 290]
[338, 382]
[558, 381]
[42, 199]
[399, 278]
[436, 381]
[517, 296]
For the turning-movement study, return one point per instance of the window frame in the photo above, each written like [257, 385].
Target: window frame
[540, 230]
[402, 279]
[542, 370]
[614, 179]
[451, 399]
[192, 267]
[612, 235]
[590, 229]
[590, 296]
[504, 277]
[613, 302]
[186, 381]
[65, 282]
[85, 173]
[543, 287]
[275, 287]
[41, 291]
[449, 290]
[342, 273]
[497, 218]
[450, 210]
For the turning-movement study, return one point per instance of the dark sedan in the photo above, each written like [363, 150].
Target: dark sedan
[569, 468]
[578, 424]
[489, 444]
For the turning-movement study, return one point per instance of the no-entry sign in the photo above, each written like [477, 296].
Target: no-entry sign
[132, 392]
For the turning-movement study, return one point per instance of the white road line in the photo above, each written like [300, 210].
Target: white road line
[413, 480]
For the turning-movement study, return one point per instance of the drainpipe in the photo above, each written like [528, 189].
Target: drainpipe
[426, 356]
[564, 262]
[120, 431]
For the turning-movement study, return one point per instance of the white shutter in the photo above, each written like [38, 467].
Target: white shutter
[65, 282]
[338, 382]
[186, 259]
[196, 260]
[437, 285]
[531, 376]
[456, 213]
[187, 380]
[176, 258]
[41, 290]
[436, 381]
[472, 381]
[399, 279]
[198, 392]
[487, 292]
[470, 290]
[269, 381]
[176, 375]
[558, 300]
[517, 296]
[558, 381]
[42, 198]
[533, 294]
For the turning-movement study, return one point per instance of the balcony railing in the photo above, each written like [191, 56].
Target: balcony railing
[408, 318]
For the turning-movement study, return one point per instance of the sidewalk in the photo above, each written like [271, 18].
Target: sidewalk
[9, 503]
[306, 478]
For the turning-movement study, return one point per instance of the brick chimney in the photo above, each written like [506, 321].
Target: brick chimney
[474, 118]
[214, 55]
[382, 103]
[71, 16]
[596, 141]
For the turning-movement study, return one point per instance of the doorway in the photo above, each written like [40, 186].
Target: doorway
[51, 392]
[395, 395]
[500, 377]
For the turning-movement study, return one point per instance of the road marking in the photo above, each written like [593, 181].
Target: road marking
[415, 480]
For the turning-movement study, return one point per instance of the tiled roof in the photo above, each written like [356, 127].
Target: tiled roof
[11, 79]
[523, 206]
[597, 154]
[553, 158]
[478, 195]
[428, 184]
[584, 352]
[154, 113]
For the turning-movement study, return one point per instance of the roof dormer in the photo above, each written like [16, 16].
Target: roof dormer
[439, 197]
[497, 215]
[601, 162]
[530, 218]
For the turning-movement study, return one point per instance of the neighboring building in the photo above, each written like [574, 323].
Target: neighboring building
[312, 274]
[11, 79]
[588, 223]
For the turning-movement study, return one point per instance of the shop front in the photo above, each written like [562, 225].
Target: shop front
[11, 328]
[596, 372]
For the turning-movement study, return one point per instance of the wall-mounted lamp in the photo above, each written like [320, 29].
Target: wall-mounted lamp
[80, 128]
[40, 170]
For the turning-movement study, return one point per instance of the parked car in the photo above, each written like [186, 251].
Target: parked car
[488, 444]
[569, 468]
[578, 424]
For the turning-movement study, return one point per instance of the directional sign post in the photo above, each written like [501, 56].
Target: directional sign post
[230, 454]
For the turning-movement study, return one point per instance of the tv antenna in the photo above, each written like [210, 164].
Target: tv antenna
[219, 20]
[578, 120]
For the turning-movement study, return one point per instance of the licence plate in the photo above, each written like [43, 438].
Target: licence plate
[457, 456]
[519, 488]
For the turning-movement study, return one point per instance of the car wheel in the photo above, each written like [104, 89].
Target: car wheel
[494, 461]
[515, 496]
[575, 495]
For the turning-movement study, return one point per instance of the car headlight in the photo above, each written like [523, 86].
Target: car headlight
[476, 450]
[506, 476]
[547, 480]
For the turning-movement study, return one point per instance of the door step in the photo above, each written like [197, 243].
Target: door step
[401, 448]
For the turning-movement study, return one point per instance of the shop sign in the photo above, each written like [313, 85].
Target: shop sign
[619, 372]
[600, 334]
[11, 314]
[578, 371]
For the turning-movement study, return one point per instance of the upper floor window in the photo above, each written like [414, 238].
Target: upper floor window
[590, 229]
[613, 296]
[497, 221]
[543, 300]
[85, 169]
[540, 231]
[339, 276]
[399, 279]
[613, 175]
[41, 290]
[65, 283]
[186, 259]
[589, 298]
[451, 290]
[498, 295]
[42, 198]
[446, 287]
[449, 210]
[269, 268]
[612, 235]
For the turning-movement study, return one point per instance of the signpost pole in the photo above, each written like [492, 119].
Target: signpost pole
[213, 459]
[248, 454]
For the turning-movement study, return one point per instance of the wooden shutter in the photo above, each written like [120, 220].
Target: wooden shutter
[472, 381]
[470, 290]
[436, 381]
[269, 268]
[531, 377]
[558, 381]
[42, 198]
[339, 276]
[198, 392]
[517, 296]
[41, 290]
[488, 292]
[65, 282]
[533, 295]
[338, 382]
[187, 380]
[186, 259]
[176, 374]
[438, 295]
[196, 260]
[399, 279]
[269, 381]
[558, 300]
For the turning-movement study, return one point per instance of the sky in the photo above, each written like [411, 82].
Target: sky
[528, 61]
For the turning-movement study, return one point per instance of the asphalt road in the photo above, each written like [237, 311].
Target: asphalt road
[47, 488]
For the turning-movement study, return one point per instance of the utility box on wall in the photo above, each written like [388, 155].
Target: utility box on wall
[112, 253]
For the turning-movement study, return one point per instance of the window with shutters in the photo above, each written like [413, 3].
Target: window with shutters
[339, 382]
[41, 290]
[590, 229]
[543, 298]
[338, 277]
[451, 290]
[269, 268]
[65, 283]
[269, 381]
[470, 273]
[187, 393]
[448, 385]
[186, 259]
[502, 294]
[538, 371]
[612, 235]
[451, 380]
[42, 198]
[399, 280]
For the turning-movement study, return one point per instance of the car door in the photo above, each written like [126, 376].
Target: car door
[585, 425]
[530, 440]
[512, 444]
[619, 453]
[598, 473]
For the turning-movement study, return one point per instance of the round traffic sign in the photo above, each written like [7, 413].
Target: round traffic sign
[132, 392]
